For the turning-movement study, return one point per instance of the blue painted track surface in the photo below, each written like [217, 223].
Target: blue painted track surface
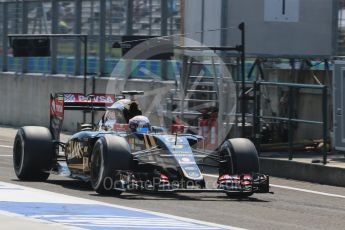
[94, 216]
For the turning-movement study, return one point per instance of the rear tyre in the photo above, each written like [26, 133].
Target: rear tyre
[33, 153]
[239, 156]
[110, 155]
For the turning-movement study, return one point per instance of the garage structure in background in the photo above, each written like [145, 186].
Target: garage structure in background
[279, 28]
[339, 105]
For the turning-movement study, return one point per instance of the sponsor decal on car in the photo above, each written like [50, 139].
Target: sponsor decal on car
[69, 97]
[56, 107]
[96, 98]
[185, 159]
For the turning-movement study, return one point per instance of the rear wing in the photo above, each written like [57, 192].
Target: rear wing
[78, 102]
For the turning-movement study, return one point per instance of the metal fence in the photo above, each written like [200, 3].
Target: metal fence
[289, 119]
[104, 21]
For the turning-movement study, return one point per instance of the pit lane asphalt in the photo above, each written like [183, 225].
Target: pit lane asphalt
[285, 209]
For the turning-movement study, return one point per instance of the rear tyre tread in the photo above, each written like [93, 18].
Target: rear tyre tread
[33, 153]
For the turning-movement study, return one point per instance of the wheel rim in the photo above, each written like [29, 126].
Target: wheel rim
[18, 155]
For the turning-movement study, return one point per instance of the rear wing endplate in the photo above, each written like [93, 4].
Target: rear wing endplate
[78, 102]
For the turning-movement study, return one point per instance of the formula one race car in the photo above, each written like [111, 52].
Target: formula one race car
[126, 153]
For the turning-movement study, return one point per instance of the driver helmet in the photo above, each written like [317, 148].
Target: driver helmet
[139, 124]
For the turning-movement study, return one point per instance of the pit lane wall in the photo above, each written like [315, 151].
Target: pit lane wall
[25, 98]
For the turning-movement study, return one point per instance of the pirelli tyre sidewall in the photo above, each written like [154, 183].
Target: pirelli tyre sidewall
[33, 153]
[241, 156]
[110, 155]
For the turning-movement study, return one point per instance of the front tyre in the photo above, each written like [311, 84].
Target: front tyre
[33, 153]
[110, 154]
[239, 156]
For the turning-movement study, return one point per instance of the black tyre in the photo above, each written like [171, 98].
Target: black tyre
[110, 155]
[239, 156]
[33, 153]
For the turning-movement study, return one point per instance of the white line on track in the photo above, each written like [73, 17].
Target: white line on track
[6, 146]
[308, 191]
[27, 194]
[296, 189]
